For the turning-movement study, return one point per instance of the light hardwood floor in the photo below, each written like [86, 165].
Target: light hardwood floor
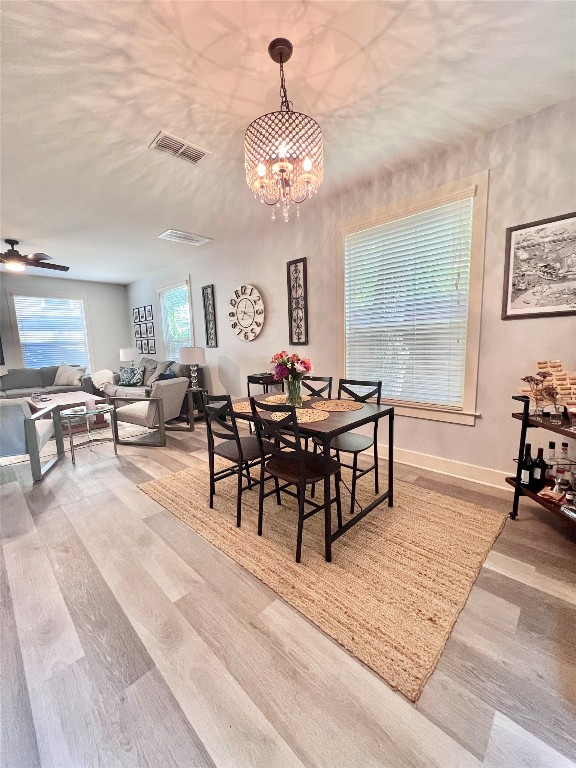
[128, 640]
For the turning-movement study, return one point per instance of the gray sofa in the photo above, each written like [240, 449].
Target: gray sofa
[22, 382]
[151, 367]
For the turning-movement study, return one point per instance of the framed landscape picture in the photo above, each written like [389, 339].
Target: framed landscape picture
[139, 346]
[540, 269]
[137, 331]
[151, 347]
[209, 315]
[136, 315]
[141, 314]
[148, 311]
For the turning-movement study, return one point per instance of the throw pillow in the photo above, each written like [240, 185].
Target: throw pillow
[160, 369]
[170, 374]
[131, 377]
[69, 376]
[137, 377]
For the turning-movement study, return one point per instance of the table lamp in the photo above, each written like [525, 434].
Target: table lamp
[127, 355]
[193, 356]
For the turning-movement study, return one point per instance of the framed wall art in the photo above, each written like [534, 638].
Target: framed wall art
[148, 312]
[136, 315]
[144, 330]
[209, 315]
[149, 329]
[297, 301]
[151, 346]
[145, 346]
[141, 314]
[137, 333]
[139, 345]
[540, 269]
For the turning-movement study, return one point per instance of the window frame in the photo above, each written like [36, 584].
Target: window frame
[36, 294]
[475, 185]
[187, 281]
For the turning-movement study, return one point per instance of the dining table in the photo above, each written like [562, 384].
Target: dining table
[325, 431]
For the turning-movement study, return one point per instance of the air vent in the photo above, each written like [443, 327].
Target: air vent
[184, 237]
[170, 145]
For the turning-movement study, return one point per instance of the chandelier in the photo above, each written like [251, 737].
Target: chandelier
[283, 150]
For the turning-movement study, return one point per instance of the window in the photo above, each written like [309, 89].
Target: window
[52, 331]
[176, 320]
[407, 304]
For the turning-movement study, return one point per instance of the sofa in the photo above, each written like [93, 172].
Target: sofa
[22, 382]
[152, 368]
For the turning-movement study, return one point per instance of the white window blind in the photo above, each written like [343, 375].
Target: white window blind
[406, 304]
[176, 323]
[52, 331]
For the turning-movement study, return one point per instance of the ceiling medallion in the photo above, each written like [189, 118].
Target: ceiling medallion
[283, 150]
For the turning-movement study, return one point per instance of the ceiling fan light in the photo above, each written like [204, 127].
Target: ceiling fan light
[15, 266]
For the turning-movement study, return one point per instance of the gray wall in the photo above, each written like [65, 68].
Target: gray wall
[532, 167]
[106, 304]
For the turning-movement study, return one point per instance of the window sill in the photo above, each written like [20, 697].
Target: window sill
[467, 418]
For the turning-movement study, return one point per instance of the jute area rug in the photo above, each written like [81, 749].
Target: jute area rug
[398, 579]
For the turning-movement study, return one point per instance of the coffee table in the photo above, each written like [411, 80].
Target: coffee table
[70, 400]
[82, 413]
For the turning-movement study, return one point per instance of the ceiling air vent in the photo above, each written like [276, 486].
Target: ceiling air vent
[184, 237]
[170, 145]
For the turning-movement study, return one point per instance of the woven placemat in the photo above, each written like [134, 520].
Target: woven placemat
[243, 407]
[303, 415]
[337, 405]
[281, 399]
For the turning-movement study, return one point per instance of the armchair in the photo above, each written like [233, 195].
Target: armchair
[164, 403]
[23, 433]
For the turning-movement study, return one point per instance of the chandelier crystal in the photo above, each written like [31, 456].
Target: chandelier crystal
[283, 150]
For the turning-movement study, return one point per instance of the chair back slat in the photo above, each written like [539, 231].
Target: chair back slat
[283, 434]
[350, 387]
[220, 420]
[318, 390]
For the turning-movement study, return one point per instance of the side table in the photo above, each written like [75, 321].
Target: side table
[192, 393]
[81, 412]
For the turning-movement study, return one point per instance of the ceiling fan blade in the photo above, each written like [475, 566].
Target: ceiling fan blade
[39, 257]
[43, 265]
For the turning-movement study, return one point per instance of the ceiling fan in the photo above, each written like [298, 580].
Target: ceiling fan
[17, 262]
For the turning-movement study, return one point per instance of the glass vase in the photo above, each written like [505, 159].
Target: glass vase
[294, 393]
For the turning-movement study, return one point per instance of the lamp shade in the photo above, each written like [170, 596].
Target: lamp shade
[127, 354]
[193, 355]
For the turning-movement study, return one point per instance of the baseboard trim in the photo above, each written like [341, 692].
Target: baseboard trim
[476, 474]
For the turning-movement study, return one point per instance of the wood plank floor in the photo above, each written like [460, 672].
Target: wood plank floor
[128, 640]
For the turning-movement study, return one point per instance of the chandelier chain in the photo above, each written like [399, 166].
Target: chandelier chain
[285, 105]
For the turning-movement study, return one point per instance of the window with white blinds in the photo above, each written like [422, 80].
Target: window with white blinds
[406, 285]
[52, 331]
[176, 320]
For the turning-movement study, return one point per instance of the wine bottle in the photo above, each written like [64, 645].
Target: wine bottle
[551, 461]
[526, 467]
[539, 468]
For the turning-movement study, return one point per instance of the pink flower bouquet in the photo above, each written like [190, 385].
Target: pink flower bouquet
[290, 366]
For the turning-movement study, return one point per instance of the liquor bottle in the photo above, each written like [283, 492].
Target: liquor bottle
[551, 461]
[539, 468]
[565, 462]
[526, 467]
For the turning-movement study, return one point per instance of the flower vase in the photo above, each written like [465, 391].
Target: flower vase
[294, 393]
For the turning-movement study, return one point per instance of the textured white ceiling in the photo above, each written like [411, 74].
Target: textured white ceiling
[87, 85]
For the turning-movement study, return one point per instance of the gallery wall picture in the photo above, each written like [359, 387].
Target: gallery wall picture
[296, 274]
[137, 333]
[209, 315]
[540, 268]
[145, 346]
[149, 329]
[141, 314]
[139, 345]
[144, 330]
[136, 315]
[148, 312]
[151, 346]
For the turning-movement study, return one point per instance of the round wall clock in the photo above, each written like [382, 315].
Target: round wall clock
[246, 312]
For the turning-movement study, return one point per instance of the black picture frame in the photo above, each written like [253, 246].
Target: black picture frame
[297, 281]
[149, 329]
[209, 315]
[148, 312]
[136, 315]
[144, 330]
[151, 346]
[137, 333]
[139, 345]
[539, 258]
[145, 346]
[141, 314]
